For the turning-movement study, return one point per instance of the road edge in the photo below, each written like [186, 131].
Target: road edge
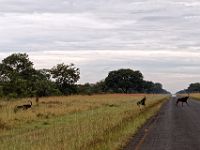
[137, 139]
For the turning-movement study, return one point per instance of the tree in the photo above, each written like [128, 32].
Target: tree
[16, 64]
[92, 88]
[100, 87]
[124, 80]
[15, 72]
[184, 91]
[86, 88]
[66, 76]
[18, 78]
[148, 87]
[157, 88]
[46, 88]
[194, 87]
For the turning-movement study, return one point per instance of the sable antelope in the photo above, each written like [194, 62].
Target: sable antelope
[23, 107]
[141, 102]
[183, 100]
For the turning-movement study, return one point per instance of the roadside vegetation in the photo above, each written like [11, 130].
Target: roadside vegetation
[196, 96]
[99, 122]
[19, 79]
[192, 88]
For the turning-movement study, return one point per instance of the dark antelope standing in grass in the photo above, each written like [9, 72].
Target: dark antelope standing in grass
[141, 102]
[23, 107]
[183, 100]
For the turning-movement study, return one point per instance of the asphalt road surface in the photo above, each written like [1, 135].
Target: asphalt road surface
[173, 128]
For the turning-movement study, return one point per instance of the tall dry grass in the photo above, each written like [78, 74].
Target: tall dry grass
[195, 96]
[74, 122]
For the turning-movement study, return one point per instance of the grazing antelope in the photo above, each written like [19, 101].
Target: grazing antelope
[23, 107]
[183, 100]
[141, 102]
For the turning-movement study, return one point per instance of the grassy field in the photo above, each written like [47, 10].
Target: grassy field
[196, 96]
[100, 122]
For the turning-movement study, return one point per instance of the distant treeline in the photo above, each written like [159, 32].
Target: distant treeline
[18, 78]
[193, 88]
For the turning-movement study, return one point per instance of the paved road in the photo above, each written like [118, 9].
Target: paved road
[174, 128]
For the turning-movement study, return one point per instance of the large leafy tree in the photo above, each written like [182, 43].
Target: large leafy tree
[66, 76]
[15, 72]
[18, 78]
[18, 62]
[124, 80]
[15, 65]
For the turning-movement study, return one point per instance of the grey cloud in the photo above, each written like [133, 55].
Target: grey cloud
[121, 24]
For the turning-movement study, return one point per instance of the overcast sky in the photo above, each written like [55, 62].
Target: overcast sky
[161, 38]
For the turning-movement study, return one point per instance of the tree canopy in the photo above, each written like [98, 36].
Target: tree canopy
[124, 80]
[193, 88]
[130, 81]
[19, 78]
[65, 76]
